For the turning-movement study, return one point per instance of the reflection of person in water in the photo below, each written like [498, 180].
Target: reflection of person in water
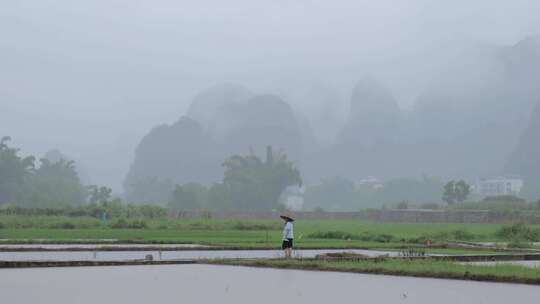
[288, 235]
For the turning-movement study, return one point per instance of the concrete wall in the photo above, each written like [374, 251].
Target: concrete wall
[391, 215]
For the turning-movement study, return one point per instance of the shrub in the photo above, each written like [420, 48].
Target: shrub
[122, 223]
[519, 232]
[2, 225]
[403, 205]
[381, 238]
[462, 235]
[456, 235]
[152, 212]
[518, 244]
[252, 226]
[63, 225]
[364, 236]
[201, 226]
[137, 224]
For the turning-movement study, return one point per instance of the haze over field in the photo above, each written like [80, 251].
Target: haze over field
[386, 88]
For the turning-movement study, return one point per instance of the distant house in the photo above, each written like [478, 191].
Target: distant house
[501, 185]
[293, 198]
[369, 181]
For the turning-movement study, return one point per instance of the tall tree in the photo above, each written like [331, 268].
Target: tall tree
[14, 170]
[257, 185]
[98, 194]
[187, 197]
[462, 191]
[456, 191]
[219, 197]
[54, 185]
[448, 193]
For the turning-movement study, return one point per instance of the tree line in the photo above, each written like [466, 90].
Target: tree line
[30, 183]
[249, 183]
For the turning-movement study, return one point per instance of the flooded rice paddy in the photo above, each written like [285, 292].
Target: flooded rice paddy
[229, 284]
[38, 247]
[165, 255]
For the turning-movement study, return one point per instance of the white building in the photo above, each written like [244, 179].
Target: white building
[501, 185]
[293, 198]
[370, 181]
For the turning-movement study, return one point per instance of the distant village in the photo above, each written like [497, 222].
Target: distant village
[481, 187]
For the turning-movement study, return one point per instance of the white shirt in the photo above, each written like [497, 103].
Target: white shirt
[288, 232]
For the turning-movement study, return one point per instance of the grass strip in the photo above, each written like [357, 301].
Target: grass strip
[403, 267]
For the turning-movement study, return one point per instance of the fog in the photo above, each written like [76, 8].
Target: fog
[92, 78]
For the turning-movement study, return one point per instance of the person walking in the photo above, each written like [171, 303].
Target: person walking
[288, 235]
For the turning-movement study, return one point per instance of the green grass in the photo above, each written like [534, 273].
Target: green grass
[406, 267]
[229, 238]
[399, 230]
[243, 233]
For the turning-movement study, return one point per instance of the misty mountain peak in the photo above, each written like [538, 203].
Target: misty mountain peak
[530, 44]
[269, 109]
[369, 97]
[522, 61]
[216, 102]
[374, 114]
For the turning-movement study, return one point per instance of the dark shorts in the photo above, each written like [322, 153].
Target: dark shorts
[287, 244]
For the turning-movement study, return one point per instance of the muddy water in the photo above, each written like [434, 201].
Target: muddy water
[226, 284]
[165, 255]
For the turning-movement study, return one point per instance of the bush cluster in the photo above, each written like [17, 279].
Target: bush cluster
[114, 209]
[63, 225]
[254, 226]
[122, 223]
[519, 232]
[456, 235]
[364, 236]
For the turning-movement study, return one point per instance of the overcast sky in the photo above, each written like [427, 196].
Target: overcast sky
[91, 77]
